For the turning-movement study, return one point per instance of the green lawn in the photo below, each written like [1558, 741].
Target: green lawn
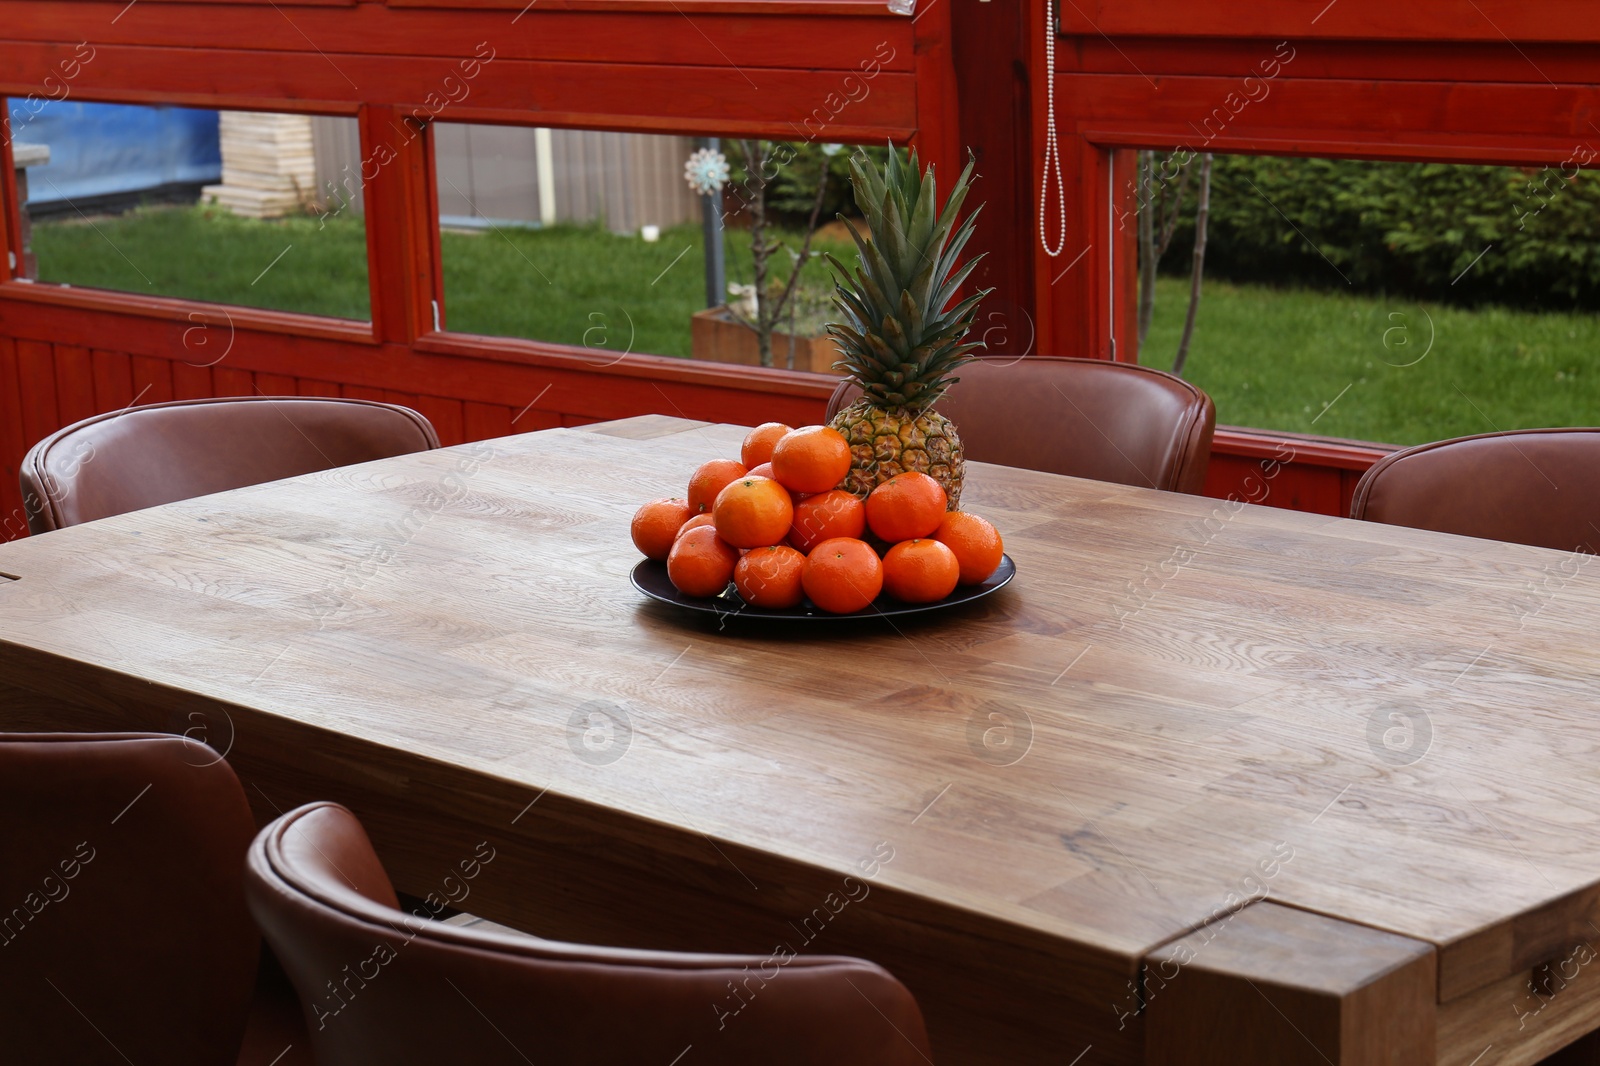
[1273, 359]
[292, 264]
[584, 285]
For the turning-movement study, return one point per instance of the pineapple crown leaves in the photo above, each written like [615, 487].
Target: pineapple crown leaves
[899, 339]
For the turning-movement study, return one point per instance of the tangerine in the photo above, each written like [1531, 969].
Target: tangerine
[834, 513]
[753, 512]
[694, 523]
[842, 575]
[906, 507]
[811, 459]
[710, 479]
[761, 470]
[976, 543]
[920, 571]
[701, 563]
[759, 442]
[655, 526]
[770, 576]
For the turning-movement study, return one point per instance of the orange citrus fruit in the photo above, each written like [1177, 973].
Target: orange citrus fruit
[753, 512]
[710, 479]
[770, 576]
[976, 544]
[920, 571]
[759, 442]
[701, 563]
[842, 575]
[811, 459]
[761, 470]
[905, 507]
[694, 523]
[655, 526]
[834, 513]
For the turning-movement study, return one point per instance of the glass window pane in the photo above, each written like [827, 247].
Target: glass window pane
[1390, 302]
[230, 207]
[597, 240]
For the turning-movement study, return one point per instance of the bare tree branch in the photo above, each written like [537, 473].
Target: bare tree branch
[1201, 218]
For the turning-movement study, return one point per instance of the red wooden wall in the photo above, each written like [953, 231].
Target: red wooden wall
[1495, 80]
[1489, 81]
[703, 66]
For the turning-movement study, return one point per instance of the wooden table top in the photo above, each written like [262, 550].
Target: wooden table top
[1179, 702]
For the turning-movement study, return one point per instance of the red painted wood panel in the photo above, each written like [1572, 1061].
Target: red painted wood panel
[113, 380]
[530, 419]
[446, 416]
[275, 384]
[13, 443]
[485, 421]
[191, 381]
[74, 383]
[359, 392]
[664, 36]
[152, 379]
[232, 381]
[1423, 20]
[605, 95]
[308, 387]
[37, 383]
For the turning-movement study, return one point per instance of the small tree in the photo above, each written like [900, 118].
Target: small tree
[762, 162]
[1159, 211]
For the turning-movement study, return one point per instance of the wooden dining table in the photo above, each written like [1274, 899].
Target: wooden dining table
[1209, 781]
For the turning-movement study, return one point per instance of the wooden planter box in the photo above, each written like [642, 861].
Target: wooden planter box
[717, 337]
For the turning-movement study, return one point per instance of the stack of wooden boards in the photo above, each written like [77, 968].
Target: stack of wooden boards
[268, 165]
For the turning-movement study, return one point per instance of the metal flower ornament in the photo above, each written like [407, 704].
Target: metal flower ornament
[706, 171]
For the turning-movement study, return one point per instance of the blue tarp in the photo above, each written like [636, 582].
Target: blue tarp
[104, 149]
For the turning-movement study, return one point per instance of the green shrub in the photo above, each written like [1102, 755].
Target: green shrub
[796, 168]
[1405, 228]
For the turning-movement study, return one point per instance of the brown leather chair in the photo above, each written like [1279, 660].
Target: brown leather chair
[1085, 417]
[143, 456]
[124, 935]
[1529, 486]
[385, 987]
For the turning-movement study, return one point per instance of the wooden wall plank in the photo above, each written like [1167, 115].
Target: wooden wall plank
[13, 443]
[191, 381]
[362, 392]
[692, 99]
[232, 381]
[530, 419]
[36, 380]
[152, 379]
[309, 387]
[486, 421]
[113, 380]
[446, 415]
[74, 383]
[664, 36]
[276, 384]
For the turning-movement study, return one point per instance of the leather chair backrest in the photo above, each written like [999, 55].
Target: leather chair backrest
[1531, 486]
[144, 456]
[124, 935]
[1086, 418]
[384, 986]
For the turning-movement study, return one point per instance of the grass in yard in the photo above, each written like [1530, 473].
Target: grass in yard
[584, 285]
[290, 264]
[1277, 358]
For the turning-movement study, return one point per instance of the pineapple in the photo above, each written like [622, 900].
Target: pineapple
[899, 341]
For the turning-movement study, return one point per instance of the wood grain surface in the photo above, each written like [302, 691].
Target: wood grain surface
[1179, 708]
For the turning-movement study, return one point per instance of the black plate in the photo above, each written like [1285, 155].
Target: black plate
[650, 578]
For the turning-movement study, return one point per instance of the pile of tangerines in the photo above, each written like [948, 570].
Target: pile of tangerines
[776, 525]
